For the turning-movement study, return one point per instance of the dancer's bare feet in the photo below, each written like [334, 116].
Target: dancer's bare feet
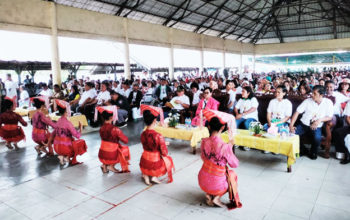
[104, 169]
[66, 159]
[43, 149]
[155, 180]
[61, 158]
[37, 148]
[217, 202]
[16, 146]
[209, 200]
[113, 169]
[8, 145]
[146, 179]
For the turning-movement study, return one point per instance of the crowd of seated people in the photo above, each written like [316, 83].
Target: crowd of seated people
[311, 104]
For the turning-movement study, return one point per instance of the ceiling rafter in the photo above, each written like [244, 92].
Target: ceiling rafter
[244, 20]
[137, 4]
[215, 12]
[174, 13]
[122, 7]
[267, 21]
[236, 22]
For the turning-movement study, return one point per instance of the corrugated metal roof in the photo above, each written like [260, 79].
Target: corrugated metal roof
[255, 21]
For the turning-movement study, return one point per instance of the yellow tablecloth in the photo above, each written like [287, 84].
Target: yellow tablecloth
[74, 119]
[21, 111]
[288, 146]
[193, 135]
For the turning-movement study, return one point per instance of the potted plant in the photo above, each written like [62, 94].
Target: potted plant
[256, 128]
[173, 120]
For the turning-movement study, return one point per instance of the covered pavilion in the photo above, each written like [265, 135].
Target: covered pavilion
[37, 188]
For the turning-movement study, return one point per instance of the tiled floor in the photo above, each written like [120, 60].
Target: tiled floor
[37, 188]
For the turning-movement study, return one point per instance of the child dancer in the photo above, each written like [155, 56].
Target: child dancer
[63, 136]
[155, 161]
[40, 122]
[9, 129]
[111, 151]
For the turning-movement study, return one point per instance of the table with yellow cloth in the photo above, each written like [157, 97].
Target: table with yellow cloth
[194, 135]
[288, 146]
[21, 111]
[74, 119]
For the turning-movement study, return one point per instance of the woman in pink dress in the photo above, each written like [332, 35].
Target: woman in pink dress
[214, 178]
[40, 121]
[63, 135]
[207, 102]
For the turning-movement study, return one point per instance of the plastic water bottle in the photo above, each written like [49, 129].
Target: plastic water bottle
[188, 123]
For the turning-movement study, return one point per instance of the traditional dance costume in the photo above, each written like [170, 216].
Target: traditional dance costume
[63, 137]
[111, 151]
[40, 122]
[215, 178]
[9, 130]
[155, 161]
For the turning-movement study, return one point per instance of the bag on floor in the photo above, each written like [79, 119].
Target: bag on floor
[136, 113]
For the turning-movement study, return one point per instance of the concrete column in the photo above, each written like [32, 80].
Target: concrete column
[171, 55]
[224, 56]
[55, 58]
[201, 68]
[224, 60]
[171, 62]
[127, 71]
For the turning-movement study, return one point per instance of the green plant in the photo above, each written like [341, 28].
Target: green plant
[173, 120]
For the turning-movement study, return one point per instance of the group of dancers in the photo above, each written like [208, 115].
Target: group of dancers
[215, 178]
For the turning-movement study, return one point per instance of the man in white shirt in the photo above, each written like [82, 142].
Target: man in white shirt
[85, 103]
[24, 97]
[11, 89]
[181, 101]
[196, 93]
[46, 91]
[115, 86]
[125, 91]
[104, 95]
[316, 111]
[229, 90]
[87, 96]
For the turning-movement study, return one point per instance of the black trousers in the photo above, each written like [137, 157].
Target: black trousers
[338, 136]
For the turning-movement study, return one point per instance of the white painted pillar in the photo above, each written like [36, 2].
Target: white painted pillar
[55, 58]
[224, 56]
[224, 60]
[171, 62]
[241, 60]
[127, 71]
[201, 68]
[171, 55]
